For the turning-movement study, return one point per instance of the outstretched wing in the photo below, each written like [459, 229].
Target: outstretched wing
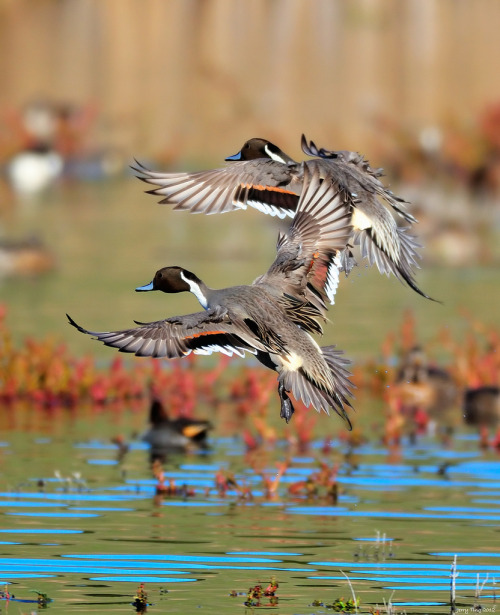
[308, 258]
[392, 248]
[200, 333]
[264, 186]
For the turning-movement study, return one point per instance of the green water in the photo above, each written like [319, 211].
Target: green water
[94, 530]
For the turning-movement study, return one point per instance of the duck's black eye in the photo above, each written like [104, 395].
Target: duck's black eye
[160, 274]
[247, 146]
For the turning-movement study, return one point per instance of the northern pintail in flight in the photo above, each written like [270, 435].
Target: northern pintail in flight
[262, 176]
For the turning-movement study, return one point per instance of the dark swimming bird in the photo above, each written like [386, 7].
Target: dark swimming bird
[264, 177]
[274, 317]
[166, 434]
[481, 406]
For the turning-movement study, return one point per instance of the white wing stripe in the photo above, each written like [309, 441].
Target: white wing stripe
[332, 278]
[227, 350]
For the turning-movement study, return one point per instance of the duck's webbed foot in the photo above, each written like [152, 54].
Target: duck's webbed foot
[287, 408]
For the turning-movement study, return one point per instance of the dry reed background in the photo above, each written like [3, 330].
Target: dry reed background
[173, 77]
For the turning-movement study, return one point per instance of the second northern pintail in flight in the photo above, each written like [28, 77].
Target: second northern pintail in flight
[264, 177]
[274, 317]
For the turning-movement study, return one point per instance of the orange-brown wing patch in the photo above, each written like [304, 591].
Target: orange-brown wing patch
[268, 188]
[318, 271]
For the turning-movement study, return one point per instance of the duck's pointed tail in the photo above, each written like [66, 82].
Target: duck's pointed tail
[312, 393]
[400, 259]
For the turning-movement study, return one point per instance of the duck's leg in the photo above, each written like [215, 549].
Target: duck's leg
[287, 408]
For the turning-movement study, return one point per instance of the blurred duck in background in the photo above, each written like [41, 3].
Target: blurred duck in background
[36, 165]
[33, 170]
[48, 141]
[423, 392]
[25, 257]
[481, 407]
[166, 435]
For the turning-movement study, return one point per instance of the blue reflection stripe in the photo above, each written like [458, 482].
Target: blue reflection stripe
[419, 603]
[375, 482]
[102, 508]
[124, 568]
[19, 504]
[408, 584]
[56, 515]
[24, 575]
[9, 542]
[336, 512]
[80, 497]
[281, 553]
[441, 588]
[173, 558]
[105, 446]
[143, 579]
[421, 574]
[191, 503]
[201, 467]
[460, 509]
[88, 570]
[399, 565]
[468, 554]
[31, 530]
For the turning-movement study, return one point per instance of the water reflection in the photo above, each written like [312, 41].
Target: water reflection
[394, 527]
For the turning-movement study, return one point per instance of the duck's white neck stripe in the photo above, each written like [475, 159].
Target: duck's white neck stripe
[196, 290]
[273, 155]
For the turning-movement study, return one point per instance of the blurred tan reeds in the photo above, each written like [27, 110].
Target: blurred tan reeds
[181, 76]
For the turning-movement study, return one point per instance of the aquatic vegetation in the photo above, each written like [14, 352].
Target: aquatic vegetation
[256, 595]
[342, 605]
[42, 599]
[339, 605]
[166, 486]
[73, 482]
[318, 485]
[378, 550]
[5, 594]
[140, 602]
[224, 481]
[44, 373]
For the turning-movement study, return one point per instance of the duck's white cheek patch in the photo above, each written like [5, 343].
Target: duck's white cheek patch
[292, 361]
